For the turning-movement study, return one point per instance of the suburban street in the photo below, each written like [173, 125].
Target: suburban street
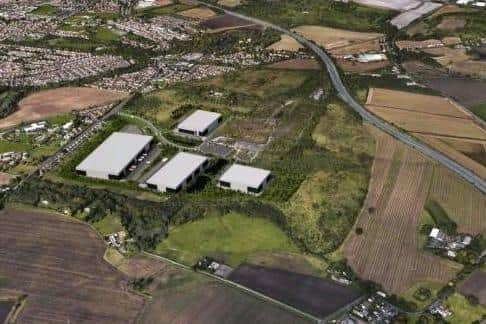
[367, 116]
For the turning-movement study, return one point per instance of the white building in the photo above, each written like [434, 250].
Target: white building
[245, 179]
[200, 123]
[178, 173]
[113, 157]
[368, 58]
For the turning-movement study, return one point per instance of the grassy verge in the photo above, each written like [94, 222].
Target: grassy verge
[108, 224]
[45, 10]
[480, 111]
[422, 293]
[231, 238]
[463, 311]
[440, 217]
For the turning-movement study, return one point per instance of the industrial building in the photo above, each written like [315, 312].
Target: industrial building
[178, 173]
[200, 123]
[114, 156]
[245, 179]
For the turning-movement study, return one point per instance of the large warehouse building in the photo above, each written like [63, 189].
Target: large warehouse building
[200, 123]
[245, 179]
[178, 173]
[113, 157]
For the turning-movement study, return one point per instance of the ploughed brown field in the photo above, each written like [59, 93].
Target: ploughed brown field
[49, 103]
[387, 251]
[333, 38]
[463, 203]
[183, 296]
[5, 178]
[296, 64]
[227, 22]
[438, 121]
[358, 67]
[58, 263]
[475, 285]
[201, 13]
[317, 296]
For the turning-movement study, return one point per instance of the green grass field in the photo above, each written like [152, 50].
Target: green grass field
[104, 34]
[109, 224]
[231, 238]
[292, 13]
[480, 111]
[463, 311]
[45, 10]
[433, 287]
[473, 31]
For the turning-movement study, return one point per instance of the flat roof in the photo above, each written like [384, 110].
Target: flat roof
[249, 176]
[115, 153]
[199, 120]
[174, 172]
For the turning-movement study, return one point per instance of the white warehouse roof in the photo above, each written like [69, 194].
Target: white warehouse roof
[177, 170]
[199, 120]
[115, 153]
[249, 176]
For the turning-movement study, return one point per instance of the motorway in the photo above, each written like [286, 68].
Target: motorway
[366, 115]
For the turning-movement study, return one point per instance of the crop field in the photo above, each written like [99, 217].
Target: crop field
[332, 38]
[49, 103]
[463, 203]
[227, 22]
[358, 67]
[415, 102]
[429, 124]
[201, 13]
[435, 120]
[475, 285]
[296, 64]
[286, 43]
[475, 161]
[468, 92]
[183, 296]
[317, 296]
[357, 47]
[230, 238]
[390, 218]
[58, 263]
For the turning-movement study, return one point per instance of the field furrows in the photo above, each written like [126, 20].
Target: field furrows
[463, 203]
[58, 264]
[387, 252]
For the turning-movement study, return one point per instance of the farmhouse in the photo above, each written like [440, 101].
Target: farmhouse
[245, 179]
[113, 157]
[178, 172]
[199, 123]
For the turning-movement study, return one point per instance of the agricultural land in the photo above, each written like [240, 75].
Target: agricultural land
[349, 224]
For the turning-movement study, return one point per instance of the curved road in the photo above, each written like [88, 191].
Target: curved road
[343, 93]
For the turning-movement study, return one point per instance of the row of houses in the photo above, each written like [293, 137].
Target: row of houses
[114, 158]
